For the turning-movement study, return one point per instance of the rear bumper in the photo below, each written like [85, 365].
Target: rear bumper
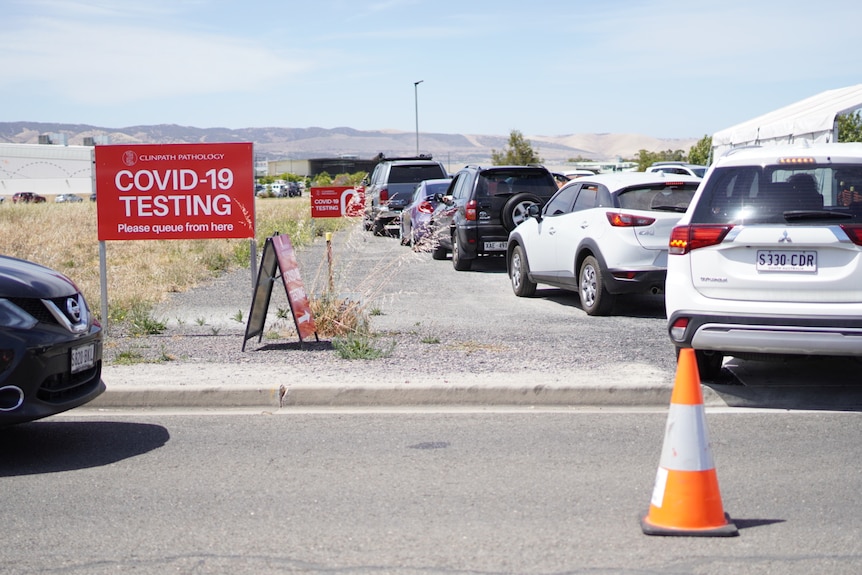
[770, 334]
[635, 281]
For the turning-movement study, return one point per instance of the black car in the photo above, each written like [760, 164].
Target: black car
[50, 344]
[481, 207]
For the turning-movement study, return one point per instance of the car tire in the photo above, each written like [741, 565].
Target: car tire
[519, 274]
[439, 252]
[379, 228]
[515, 210]
[595, 298]
[458, 261]
[708, 363]
[402, 239]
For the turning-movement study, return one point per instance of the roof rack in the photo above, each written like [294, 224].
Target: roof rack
[381, 156]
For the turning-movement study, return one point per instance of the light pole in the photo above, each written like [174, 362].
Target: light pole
[416, 101]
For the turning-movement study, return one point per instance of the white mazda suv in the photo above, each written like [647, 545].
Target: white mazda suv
[602, 236]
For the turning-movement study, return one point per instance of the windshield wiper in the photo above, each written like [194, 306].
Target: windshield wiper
[796, 215]
[679, 209]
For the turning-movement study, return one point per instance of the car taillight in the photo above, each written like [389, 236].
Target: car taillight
[384, 195]
[620, 220]
[684, 239]
[677, 330]
[854, 232]
[425, 208]
[471, 211]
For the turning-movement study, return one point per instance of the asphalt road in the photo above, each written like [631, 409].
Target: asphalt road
[418, 492]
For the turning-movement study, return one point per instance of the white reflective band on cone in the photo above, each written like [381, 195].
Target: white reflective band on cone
[686, 440]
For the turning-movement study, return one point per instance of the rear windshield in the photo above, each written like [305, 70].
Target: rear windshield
[415, 174]
[782, 195]
[670, 197]
[508, 182]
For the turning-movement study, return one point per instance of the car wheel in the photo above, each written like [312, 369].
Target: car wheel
[708, 363]
[439, 252]
[519, 273]
[595, 299]
[458, 261]
[515, 210]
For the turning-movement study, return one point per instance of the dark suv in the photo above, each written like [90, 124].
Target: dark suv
[481, 207]
[391, 188]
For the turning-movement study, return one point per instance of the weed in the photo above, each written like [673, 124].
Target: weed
[375, 311]
[359, 346]
[334, 316]
[141, 321]
[128, 357]
[237, 317]
[200, 321]
[215, 330]
[430, 339]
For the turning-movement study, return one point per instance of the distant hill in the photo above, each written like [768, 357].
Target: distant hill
[302, 143]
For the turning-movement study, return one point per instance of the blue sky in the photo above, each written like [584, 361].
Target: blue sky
[663, 68]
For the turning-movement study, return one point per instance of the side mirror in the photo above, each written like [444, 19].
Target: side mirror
[534, 211]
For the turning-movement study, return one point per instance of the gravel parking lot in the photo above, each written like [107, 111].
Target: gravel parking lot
[435, 323]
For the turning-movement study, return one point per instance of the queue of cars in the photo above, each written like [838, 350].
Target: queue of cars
[760, 254]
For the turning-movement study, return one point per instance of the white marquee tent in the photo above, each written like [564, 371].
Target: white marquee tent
[811, 120]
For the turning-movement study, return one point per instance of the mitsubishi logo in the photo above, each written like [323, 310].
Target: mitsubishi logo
[785, 238]
[73, 308]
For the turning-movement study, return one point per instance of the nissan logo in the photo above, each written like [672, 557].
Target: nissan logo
[73, 308]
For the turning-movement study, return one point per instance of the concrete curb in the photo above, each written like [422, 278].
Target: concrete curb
[266, 386]
[201, 396]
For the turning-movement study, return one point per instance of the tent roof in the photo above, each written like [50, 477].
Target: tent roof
[812, 118]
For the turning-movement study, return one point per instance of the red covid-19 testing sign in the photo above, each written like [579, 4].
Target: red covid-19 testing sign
[175, 191]
[337, 201]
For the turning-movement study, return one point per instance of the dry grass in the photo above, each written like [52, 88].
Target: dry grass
[141, 273]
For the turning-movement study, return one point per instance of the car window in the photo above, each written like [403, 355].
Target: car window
[586, 197]
[460, 187]
[782, 195]
[562, 202]
[670, 196]
[436, 188]
[414, 174]
[499, 182]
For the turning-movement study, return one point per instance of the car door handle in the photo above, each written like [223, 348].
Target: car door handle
[585, 224]
[552, 231]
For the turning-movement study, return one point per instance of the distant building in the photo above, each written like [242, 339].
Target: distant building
[45, 169]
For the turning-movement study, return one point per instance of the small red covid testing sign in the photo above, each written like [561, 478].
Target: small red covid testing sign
[175, 191]
[337, 201]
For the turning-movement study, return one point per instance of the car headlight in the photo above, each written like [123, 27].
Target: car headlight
[12, 316]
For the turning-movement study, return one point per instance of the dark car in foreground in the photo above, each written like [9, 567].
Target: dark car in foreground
[481, 207]
[50, 344]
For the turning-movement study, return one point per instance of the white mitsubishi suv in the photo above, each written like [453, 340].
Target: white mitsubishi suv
[767, 261]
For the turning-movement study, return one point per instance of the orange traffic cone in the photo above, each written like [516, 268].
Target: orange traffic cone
[686, 500]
